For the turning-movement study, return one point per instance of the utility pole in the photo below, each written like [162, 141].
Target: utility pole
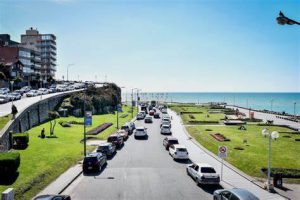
[84, 126]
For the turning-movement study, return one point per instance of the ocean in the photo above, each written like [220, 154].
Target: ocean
[270, 101]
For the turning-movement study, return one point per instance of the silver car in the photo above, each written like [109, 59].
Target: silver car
[234, 194]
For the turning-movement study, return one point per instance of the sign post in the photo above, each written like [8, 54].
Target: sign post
[119, 109]
[222, 153]
[87, 122]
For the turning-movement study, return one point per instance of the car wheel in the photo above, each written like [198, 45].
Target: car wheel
[197, 182]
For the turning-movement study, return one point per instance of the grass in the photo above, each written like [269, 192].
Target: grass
[204, 117]
[285, 149]
[45, 159]
[4, 120]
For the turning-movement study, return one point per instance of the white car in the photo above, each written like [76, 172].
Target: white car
[203, 173]
[165, 129]
[140, 132]
[178, 152]
[43, 91]
[3, 98]
[32, 93]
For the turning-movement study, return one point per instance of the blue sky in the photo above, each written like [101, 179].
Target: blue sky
[168, 45]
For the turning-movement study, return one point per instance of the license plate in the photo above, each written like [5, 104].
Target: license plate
[90, 167]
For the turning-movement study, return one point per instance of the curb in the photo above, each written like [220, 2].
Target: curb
[249, 178]
[73, 179]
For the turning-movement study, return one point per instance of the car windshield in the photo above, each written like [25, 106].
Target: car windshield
[90, 159]
[140, 129]
[173, 141]
[182, 149]
[103, 147]
[207, 170]
[113, 138]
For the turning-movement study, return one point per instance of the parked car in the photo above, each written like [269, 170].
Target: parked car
[168, 141]
[94, 161]
[156, 116]
[140, 132]
[124, 134]
[32, 93]
[166, 130]
[4, 90]
[234, 194]
[107, 148]
[43, 91]
[178, 152]
[10, 97]
[116, 140]
[19, 92]
[25, 89]
[148, 119]
[15, 95]
[129, 127]
[53, 197]
[203, 173]
[3, 99]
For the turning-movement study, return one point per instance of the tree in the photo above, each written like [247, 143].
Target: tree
[53, 115]
[18, 79]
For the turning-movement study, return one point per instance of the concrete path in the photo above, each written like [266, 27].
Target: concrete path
[267, 116]
[232, 177]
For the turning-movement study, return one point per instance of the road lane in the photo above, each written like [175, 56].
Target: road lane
[143, 169]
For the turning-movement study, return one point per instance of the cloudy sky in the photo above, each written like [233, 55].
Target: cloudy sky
[168, 45]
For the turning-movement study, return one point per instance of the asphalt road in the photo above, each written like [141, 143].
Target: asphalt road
[142, 169]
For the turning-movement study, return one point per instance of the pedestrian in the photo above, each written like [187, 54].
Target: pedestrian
[14, 111]
[43, 133]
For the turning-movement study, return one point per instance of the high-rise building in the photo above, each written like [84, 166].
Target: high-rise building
[45, 45]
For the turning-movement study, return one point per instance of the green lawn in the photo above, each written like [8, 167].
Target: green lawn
[207, 117]
[285, 151]
[4, 120]
[46, 159]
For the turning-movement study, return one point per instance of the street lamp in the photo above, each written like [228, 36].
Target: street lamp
[132, 100]
[119, 107]
[274, 135]
[69, 65]
[295, 111]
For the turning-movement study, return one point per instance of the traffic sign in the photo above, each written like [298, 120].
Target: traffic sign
[88, 118]
[119, 108]
[222, 152]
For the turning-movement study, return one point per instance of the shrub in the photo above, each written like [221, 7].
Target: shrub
[297, 139]
[9, 163]
[283, 172]
[208, 129]
[239, 148]
[76, 122]
[191, 116]
[99, 129]
[123, 115]
[20, 140]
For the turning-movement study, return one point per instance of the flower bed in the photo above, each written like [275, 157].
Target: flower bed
[219, 137]
[99, 129]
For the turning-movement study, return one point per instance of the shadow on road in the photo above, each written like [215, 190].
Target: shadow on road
[188, 161]
[95, 173]
[112, 156]
[142, 138]
[211, 188]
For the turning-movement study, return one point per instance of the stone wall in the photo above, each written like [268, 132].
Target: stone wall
[33, 115]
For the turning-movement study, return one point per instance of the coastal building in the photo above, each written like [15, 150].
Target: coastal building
[45, 46]
[10, 62]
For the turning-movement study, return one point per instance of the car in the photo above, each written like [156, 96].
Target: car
[178, 152]
[203, 173]
[19, 92]
[123, 133]
[25, 89]
[32, 93]
[10, 97]
[151, 112]
[132, 125]
[166, 129]
[143, 113]
[164, 111]
[3, 99]
[140, 116]
[129, 127]
[165, 122]
[15, 95]
[168, 141]
[234, 194]
[148, 119]
[140, 132]
[52, 197]
[94, 161]
[43, 91]
[156, 115]
[116, 140]
[108, 149]
[4, 90]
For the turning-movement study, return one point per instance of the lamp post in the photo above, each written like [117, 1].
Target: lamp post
[132, 101]
[274, 135]
[84, 124]
[137, 99]
[118, 108]
[69, 65]
[295, 111]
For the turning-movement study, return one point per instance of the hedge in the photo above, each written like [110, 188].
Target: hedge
[202, 122]
[20, 139]
[9, 163]
[283, 172]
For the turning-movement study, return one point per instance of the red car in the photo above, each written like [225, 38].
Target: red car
[151, 112]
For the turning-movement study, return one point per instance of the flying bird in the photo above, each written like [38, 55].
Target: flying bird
[282, 20]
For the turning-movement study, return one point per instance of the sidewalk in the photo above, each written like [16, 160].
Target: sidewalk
[232, 177]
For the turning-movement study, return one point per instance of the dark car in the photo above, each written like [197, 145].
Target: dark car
[168, 141]
[116, 139]
[94, 161]
[156, 116]
[53, 197]
[148, 119]
[107, 148]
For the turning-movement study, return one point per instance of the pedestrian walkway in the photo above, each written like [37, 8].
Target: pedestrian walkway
[267, 116]
[232, 177]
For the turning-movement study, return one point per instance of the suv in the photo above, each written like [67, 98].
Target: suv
[94, 161]
[126, 127]
[148, 119]
[116, 139]
[107, 148]
[123, 133]
[140, 132]
[168, 141]
[203, 173]
[156, 116]
[166, 129]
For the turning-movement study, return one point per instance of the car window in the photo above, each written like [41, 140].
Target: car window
[182, 149]
[225, 195]
[207, 170]
[233, 197]
[111, 139]
[90, 159]
[173, 141]
[57, 198]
